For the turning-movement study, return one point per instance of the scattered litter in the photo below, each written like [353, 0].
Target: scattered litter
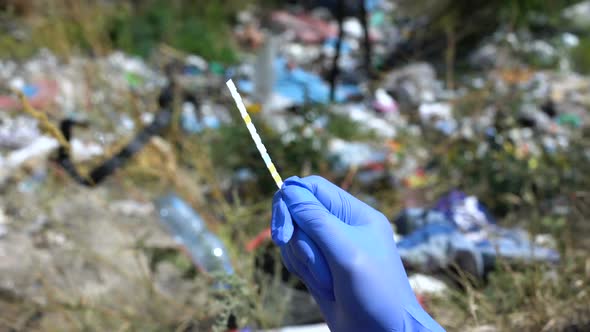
[17, 132]
[459, 231]
[3, 222]
[440, 115]
[352, 27]
[435, 111]
[424, 284]
[413, 84]
[570, 40]
[40, 94]
[197, 62]
[329, 47]
[301, 86]
[40, 148]
[190, 231]
[384, 103]
[84, 151]
[578, 15]
[131, 208]
[304, 28]
[355, 154]
[250, 35]
[367, 120]
[467, 212]
[302, 328]
[33, 182]
[193, 121]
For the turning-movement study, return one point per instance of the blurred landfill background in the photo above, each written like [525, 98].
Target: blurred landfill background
[133, 199]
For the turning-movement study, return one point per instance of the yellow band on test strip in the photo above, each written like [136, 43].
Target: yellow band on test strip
[259, 145]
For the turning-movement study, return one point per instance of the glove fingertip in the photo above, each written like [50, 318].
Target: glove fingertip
[281, 225]
[295, 181]
[281, 235]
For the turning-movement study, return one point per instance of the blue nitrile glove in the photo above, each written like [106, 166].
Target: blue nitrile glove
[344, 252]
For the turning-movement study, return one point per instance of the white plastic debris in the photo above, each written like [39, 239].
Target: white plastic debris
[367, 120]
[129, 64]
[277, 103]
[384, 103]
[17, 83]
[578, 15]
[131, 208]
[17, 132]
[546, 240]
[353, 27]
[424, 284]
[40, 148]
[303, 328]
[541, 51]
[435, 110]
[301, 53]
[468, 214]
[197, 61]
[354, 154]
[7, 69]
[83, 151]
[484, 328]
[3, 222]
[414, 84]
[570, 40]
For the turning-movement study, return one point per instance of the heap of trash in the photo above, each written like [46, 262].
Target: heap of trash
[306, 81]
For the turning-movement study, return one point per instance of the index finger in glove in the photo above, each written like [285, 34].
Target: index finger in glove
[281, 224]
[339, 202]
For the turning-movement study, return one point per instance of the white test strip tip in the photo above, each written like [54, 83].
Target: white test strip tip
[259, 145]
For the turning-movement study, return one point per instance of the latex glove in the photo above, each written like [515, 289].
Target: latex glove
[345, 253]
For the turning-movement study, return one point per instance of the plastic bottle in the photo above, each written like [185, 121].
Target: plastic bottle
[189, 230]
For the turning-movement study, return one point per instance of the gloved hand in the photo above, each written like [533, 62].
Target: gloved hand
[345, 253]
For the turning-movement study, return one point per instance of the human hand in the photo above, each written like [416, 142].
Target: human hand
[345, 253]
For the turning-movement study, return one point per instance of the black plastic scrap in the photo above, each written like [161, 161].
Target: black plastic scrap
[161, 121]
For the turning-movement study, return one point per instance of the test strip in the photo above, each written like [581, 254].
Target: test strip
[259, 145]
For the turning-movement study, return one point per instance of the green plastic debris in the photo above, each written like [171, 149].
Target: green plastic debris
[133, 79]
[377, 19]
[216, 68]
[569, 119]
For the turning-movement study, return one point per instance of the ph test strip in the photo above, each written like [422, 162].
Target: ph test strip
[259, 145]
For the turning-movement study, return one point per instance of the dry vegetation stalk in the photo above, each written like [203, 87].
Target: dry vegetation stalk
[44, 124]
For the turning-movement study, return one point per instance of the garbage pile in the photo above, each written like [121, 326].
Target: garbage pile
[388, 132]
[65, 90]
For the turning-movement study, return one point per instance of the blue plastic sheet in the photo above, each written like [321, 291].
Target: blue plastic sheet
[30, 91]
[460, 231]
[301, 86]
[331, 43]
